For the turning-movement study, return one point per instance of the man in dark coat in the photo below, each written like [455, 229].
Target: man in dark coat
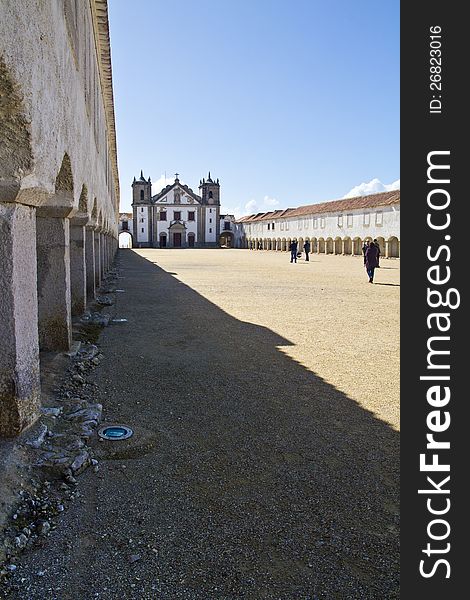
[307, 249]
[293, 251]
[378, 256]
[372, 260]
[364, 249]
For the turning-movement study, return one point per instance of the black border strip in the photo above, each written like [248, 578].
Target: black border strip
[424, 132]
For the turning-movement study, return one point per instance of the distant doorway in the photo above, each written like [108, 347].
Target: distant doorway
[177, 240]
[125, 239]
[226, 239]
[191, 239]
[162, 240]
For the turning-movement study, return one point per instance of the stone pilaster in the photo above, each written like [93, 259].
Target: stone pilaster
[19, 355]
[78, 269]
[97, 237]
[102, 255]
[90, 261]
[54, 290]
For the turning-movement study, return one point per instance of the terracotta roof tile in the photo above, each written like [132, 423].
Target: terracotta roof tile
[345, 204]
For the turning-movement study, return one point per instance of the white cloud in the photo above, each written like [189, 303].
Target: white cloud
[374, 186]
[270, 202]
[251, 207]
[229, 210]
[266, 205]
[161, 182]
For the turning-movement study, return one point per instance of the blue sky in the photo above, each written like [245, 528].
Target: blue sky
[286, 102]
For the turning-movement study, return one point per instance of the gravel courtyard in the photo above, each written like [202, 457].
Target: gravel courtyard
[265, 460]
[335, 323]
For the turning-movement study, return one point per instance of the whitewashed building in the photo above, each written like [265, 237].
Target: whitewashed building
[336, 227]
[125, 229]
[227, 231]
[176, 217]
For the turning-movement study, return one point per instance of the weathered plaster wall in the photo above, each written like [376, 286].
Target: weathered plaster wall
[55, 78]
[326, 225]
[58, 173]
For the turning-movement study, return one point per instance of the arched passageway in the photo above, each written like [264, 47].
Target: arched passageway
[393, 247]
[321, 246]
[225, 239]
[381, 243]
[347, 246]
[125, 239]
[329, 246]
[338, 246]
[357, 246]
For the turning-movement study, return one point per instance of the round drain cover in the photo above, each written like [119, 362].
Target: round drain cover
[115, 432]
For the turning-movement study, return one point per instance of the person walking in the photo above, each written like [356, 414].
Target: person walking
[307, 249]
[378, 255]
[293, 251]
[364, 249]
[371, 258]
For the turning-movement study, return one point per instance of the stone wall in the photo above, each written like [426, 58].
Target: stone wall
[59, 190]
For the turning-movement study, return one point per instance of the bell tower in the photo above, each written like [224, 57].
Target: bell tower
[142, 211]
[209, 190]
[141, 190]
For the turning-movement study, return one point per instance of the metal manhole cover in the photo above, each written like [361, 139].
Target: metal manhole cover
[115, 432]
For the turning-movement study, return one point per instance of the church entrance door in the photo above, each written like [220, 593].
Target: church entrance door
[177, 240]
[191, 241]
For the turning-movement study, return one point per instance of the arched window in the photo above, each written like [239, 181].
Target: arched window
[141, 194]
[210, 195]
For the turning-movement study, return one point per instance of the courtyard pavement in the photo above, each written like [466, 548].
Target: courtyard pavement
[265, 459]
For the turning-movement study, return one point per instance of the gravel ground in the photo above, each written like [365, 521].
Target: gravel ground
[265, 460]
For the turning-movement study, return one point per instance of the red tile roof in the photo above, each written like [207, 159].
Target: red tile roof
[371, 201]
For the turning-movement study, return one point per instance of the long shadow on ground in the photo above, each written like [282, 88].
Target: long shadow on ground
[265, 481]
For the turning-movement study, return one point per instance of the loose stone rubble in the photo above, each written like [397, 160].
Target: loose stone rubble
[105, 300]
[59, 450]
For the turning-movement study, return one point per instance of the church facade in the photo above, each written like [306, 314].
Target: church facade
[176, 217]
